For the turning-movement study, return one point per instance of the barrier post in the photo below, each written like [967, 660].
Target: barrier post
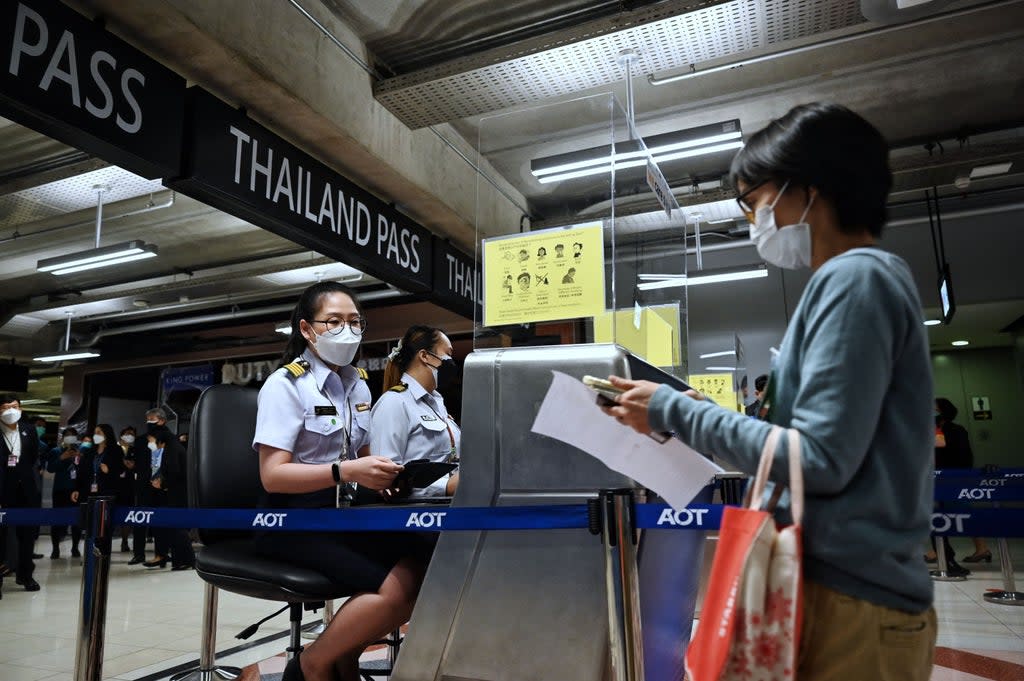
[618, 533]
[92, 611]
[1009, 595]
[942, 574]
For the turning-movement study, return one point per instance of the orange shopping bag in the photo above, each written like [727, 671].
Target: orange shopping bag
[749, 626]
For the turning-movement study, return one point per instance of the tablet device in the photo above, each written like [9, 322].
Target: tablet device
[421, 472]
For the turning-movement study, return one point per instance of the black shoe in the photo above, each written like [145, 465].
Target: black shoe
[136, 560]
[5, 570]
[36, 556]
[979, 557]
[55, 554]
[955, 569]
[75, 553]
[156, 562]
[183, 566]
[29, 583]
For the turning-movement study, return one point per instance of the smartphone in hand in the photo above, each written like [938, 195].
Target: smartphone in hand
[606, 390]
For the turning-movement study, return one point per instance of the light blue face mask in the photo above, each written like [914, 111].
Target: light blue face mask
[788, 247]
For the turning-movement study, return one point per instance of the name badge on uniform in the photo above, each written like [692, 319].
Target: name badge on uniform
[426, 417]
[12, 461]
[328, 410]
[363, 406]
[93, 488]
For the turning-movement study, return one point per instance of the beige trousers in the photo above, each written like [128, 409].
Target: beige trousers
[848, 639]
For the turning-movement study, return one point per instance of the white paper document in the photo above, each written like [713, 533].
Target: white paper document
[570, 414]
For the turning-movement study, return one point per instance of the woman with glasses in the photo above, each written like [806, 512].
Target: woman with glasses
[410, 421]
[853, 382]
[312, 436]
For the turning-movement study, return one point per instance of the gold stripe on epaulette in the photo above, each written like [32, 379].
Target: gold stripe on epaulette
[400, 388]
[363, 374]
[296, 369]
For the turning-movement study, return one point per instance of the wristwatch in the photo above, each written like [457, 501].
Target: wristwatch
[336, 472]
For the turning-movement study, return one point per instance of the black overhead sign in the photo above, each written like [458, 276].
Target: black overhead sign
[67, 77]
[457, 280]
[244, 169]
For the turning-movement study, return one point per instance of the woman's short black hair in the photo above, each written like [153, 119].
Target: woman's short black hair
[831, 148]
[946, 409]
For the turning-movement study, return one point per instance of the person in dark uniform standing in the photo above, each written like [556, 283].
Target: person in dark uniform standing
[63, 462]
[137, 464]
[19, 449]
[168, 482]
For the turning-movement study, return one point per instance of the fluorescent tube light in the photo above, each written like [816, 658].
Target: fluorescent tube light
[993, 169]
[634, 153]
[724, 353]
[66, 356]
[698, 279]
[932, 322]
[98, 257]
[285, 329]
[961, 343]
[719, 368]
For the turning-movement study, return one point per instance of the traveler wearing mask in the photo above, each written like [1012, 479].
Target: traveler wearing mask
[64, 461]
[126, 480]
[410, 420]
[19, 451]
[102, 465]
[312, 435]
[137, 461]
[168, 482]
[853, 383]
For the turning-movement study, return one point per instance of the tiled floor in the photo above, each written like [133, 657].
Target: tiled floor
[154, 619]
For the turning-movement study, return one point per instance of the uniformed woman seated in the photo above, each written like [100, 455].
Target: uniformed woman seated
[410, 421]
[312, 435]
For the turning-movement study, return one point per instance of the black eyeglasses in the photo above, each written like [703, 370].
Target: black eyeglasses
[336, 326]
[741, 201]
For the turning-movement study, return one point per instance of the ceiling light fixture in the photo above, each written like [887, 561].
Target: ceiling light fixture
[719, 368]
[960, 343]
[68, 353]
[723, 353]
[932, 322]
[708, 139]
[652, 282]
[992, 169]
[284, 328]
[104, 256]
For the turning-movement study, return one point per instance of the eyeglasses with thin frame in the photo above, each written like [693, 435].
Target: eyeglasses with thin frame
[336, 326]
[741, 201]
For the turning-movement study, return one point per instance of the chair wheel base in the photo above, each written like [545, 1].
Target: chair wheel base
[213, 674]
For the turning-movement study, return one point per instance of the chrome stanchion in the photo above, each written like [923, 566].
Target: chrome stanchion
[618, 533]
[1009, 595]
[321, 626]
[208, 669]
[92, 611]
[942, 574]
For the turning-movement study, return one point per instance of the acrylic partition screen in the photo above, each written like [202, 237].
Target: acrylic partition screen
[570, 274]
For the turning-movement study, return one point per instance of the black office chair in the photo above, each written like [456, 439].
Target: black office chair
[223, 472]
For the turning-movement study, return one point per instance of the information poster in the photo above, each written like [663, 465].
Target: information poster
[718, 387]
[545, 275]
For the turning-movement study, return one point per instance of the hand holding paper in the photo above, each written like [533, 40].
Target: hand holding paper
[570, 413]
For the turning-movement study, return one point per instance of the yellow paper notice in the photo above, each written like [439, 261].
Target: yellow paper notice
[718, 387]
[543, 276]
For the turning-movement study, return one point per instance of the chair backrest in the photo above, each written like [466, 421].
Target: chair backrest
[223, 469]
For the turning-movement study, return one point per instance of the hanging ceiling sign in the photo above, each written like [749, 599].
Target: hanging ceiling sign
[65, 76]
[458, 282]
[238, 166]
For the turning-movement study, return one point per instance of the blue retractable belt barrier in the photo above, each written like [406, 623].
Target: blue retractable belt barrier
[979, 489]
[974, 522]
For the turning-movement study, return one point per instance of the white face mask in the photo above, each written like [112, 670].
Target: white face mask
[11, 416]
[128, 439]
[338, 350]
[70, 440]
[152, 446]
[98, 439]
[788, 247]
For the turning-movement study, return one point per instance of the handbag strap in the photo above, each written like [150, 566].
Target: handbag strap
[755, 494]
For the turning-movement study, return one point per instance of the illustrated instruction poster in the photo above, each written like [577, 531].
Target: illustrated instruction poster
[543, 276]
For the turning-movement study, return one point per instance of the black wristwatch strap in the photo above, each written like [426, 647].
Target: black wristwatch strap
[336, 472]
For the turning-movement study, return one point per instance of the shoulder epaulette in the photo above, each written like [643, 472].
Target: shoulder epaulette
[297, 368]
[400, 388]
[363, 374]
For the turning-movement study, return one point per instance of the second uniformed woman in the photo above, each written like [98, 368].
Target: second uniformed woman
[312, 432]
[410, 421]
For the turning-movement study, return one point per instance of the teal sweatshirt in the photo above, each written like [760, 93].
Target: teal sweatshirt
[853, 377]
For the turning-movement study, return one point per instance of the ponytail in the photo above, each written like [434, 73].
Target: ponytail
[417, 338]
[306, 308]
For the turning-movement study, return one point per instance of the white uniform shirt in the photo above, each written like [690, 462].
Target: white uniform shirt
[414, 424]
[308, 415]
